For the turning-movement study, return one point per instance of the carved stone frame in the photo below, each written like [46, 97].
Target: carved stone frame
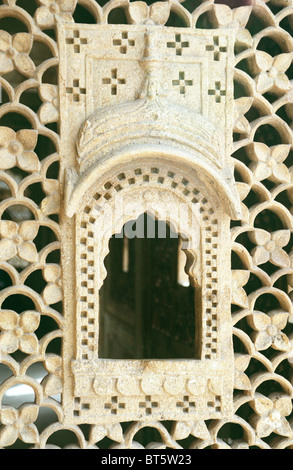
[168, 383]
[180, 158]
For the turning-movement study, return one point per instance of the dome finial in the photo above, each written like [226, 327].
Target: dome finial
[151, 62]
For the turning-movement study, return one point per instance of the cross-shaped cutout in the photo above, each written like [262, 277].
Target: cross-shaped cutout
[178, 44]
[79, 406]
[216, 403]
[186, 404]
[75, 91]
[217, 92]
[182, 83]
[219, 45]
[148, 404]
[124, 42]
[114, 406]
[76, 41]
[114, 81]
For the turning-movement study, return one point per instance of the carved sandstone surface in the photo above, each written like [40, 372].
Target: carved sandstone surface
[140, 98]
[143, 87]
[49, 329]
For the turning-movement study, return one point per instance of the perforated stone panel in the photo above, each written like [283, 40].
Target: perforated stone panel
[32, 303]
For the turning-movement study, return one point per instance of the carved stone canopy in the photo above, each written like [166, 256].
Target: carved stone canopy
[132, 108]
[154, 125]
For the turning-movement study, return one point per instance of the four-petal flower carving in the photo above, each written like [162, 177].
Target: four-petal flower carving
[50, 9]
[157, 13]
[239, 279]
[241, 107]
[18, 331]
[52, 383]
[52, 292]
[17, 148]
[237, 18]
[268, 330]
[17, 240]
[49, 110]
[268, 162]
[18, 423]
[112, 431]
[243, 190]
[271, 412]
[14, 52]
[181, 430]
[241, 380]
[270, 247]
[271, 72]
[51, 203]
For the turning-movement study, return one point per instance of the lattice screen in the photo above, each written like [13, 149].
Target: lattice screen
[31, 316]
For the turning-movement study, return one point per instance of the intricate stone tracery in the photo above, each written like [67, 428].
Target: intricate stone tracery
[146, 127]
[260, 241]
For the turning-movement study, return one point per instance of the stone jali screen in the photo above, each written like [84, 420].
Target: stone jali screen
[181, 110]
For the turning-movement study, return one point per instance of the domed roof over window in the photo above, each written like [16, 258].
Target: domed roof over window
[153, 125]
[152, 118]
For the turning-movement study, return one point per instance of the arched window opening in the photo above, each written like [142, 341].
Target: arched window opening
[148, 306]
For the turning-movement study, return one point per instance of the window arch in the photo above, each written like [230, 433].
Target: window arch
[175, 195]
[145, 313]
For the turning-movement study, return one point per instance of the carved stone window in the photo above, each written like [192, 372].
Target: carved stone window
[151, 117]
[148, 309]
[180, 110]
